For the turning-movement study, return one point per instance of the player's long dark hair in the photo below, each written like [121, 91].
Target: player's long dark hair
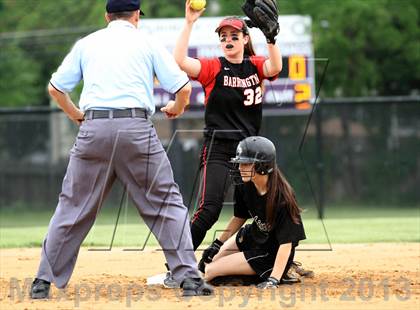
[249, 51]
[279, 190]
[249, 47]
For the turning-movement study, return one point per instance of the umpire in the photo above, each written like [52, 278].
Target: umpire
[116, 139]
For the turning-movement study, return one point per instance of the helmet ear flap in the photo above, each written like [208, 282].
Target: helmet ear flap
[259, 168]
[263, 168]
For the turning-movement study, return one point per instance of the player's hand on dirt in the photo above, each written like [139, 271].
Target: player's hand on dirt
[172, 110]
[191, 15]
[77, 117]
[209, 254]
[269, 283]
[212, 250]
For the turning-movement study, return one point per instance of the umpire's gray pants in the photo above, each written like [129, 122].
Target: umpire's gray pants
[127, 149]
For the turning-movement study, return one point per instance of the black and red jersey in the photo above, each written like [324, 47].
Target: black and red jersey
[233, 96]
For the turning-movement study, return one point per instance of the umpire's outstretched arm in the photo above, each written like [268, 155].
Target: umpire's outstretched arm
[176, 108]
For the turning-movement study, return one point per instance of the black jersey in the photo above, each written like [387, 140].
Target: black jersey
[233, 97]
[249, 204]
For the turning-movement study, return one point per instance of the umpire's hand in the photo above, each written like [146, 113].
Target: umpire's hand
[172, 109]
[77, 117]
[209, 253]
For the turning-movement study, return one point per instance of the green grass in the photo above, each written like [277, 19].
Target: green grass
[343, 225]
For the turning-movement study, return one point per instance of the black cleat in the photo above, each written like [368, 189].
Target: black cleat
[169, 281]
[289, 280]
[40, 289]
[297, 268]
[196, 287]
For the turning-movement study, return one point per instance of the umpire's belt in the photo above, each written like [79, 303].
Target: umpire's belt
[133, 112]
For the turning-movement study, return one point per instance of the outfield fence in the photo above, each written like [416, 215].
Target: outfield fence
[349, 151]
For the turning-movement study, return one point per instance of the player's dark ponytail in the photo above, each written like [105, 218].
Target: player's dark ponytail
[249, 47]
[276, 188]
[249, 51]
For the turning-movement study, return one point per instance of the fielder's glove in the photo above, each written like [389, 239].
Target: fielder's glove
[271, 282]
[263, 15]
[209, 253]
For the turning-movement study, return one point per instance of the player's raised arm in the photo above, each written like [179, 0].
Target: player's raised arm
[274, 64]
[190, 65]
[263, 14]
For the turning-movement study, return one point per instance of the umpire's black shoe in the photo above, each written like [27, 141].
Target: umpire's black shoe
[40, 289]
[196, 287]
[289, 280]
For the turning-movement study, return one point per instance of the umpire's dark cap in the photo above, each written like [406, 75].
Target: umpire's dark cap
[115, 6]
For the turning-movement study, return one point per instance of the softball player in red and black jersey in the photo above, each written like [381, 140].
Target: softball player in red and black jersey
[233, 106]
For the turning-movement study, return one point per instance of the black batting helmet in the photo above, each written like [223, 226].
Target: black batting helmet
[256, 150]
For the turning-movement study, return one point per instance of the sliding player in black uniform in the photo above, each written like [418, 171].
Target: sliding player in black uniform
[267, 246]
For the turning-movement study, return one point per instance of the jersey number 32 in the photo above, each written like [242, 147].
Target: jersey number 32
[253, 96]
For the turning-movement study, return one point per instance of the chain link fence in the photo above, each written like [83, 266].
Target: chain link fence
[357, 151]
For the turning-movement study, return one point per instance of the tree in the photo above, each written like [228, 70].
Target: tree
[36, 36]
[373, 46]
[19, 78]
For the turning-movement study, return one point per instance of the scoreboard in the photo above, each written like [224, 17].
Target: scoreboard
[295, 77]
[295, 86]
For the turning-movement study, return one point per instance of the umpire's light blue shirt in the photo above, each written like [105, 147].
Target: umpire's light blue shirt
[118, 65]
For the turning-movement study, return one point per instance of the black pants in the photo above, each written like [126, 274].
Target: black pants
[261, 257]
[214, 166]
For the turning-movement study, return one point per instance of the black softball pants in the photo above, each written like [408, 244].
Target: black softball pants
[214, 165]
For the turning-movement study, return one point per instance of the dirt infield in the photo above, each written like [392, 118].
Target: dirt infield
[352, 276]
